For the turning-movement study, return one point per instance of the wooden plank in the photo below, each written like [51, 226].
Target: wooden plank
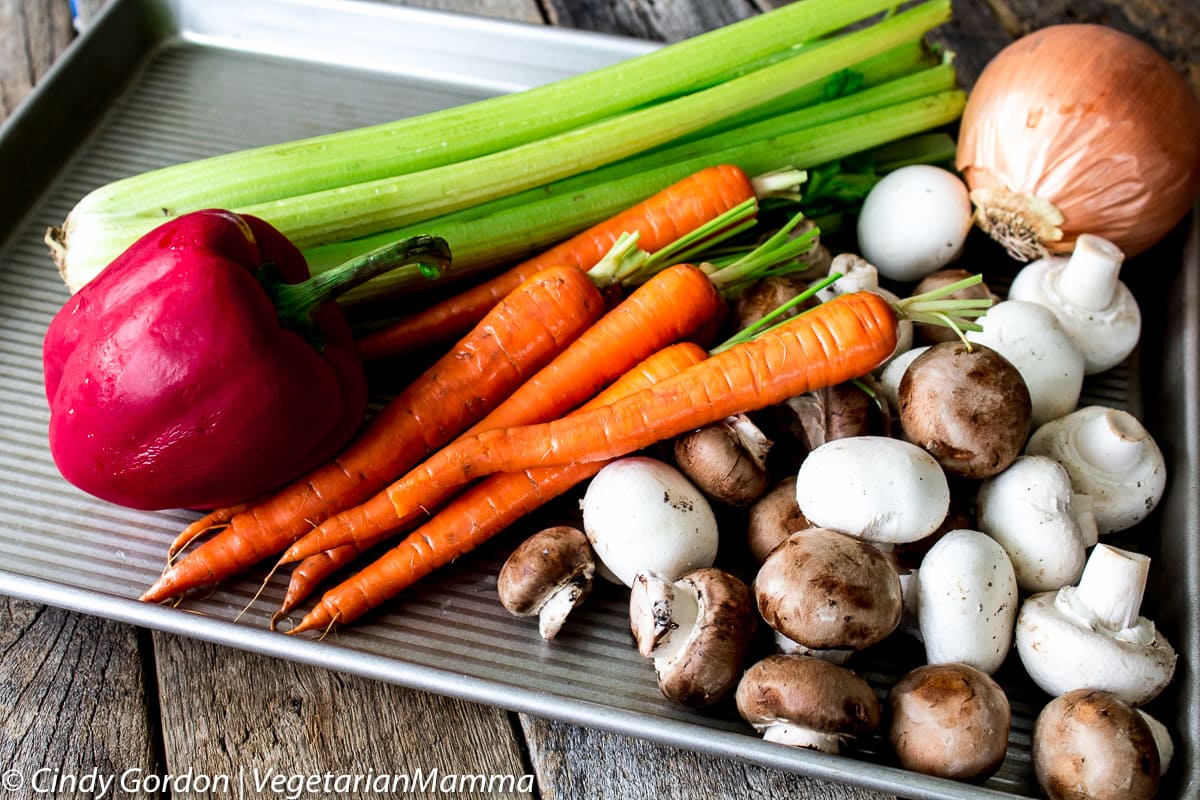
[32, 37]
[232, 713]
[662, 22]
[73, 702]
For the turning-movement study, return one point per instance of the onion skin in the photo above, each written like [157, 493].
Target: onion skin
[1080, 129]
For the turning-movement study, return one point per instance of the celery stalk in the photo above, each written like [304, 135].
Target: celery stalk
[360, 209]
[538, 217]
[368, 207]
[479, 239]
[485, 126]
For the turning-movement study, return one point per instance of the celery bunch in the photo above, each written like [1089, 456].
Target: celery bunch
[523, 170]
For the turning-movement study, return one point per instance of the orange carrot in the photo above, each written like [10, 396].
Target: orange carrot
[659, 220]
[481, 512]
[834, 342]
[311, 572]
[672, 305]
[517, 338]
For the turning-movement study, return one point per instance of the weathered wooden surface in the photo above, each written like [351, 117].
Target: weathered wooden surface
[79, 695]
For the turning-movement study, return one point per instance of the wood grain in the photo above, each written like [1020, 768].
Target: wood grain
[32, 37]
[228, 712]
[74, 698]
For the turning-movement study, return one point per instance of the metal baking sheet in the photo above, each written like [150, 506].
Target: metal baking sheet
[153, 82]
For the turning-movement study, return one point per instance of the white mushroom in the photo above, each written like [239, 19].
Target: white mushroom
[915, 220]
[1111, 457]
[1085, 292]
[1032, 511]
[549, 574]
[1030, 336]
[1092, 635]
[643, 515]
[893, 372]
[877, 488]
[807, 702]
[949, 720]
[967, 601]
[697, 629]
[1090, 745]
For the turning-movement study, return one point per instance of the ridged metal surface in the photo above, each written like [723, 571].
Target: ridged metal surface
[207, 90]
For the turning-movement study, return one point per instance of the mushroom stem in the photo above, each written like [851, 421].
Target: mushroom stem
[797, 736]
[1112, 586]
[558, 606]
[751, 438]
[656, 599]
[1113, 441]
[1089, 278]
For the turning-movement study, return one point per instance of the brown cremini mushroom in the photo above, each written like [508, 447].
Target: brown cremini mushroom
[949, 720]
[967, 406]
[1091, 745]
[774, 517]
[726, 460]
[807, 702]
[549, 574]
[697, 629]
[825, 590]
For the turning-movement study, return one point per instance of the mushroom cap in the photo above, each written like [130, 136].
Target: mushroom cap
[967, 406]
[1062, 653]
[807, 692]
[1028, 508]
[643, 514]
[826, 590]
[967, 604]
[773, 518]
[1030, 336]
[950, 720]
[726, 460]
[543, 564]
[874, 487]
[1111, 457]
[1090, 745]
[706, 665]
[914, 221]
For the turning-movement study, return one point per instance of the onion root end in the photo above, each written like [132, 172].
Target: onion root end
[1026, 226]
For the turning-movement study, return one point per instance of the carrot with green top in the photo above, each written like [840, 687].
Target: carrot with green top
[516, 339]
[673, 305]
[481, 512]
[658, 221]
[657, 313]
[837, 341]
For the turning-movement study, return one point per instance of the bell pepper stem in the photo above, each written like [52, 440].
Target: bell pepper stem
[296, 303]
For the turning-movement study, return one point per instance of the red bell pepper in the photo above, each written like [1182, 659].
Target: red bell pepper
[203, 367]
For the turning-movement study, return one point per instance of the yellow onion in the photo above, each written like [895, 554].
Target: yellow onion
[1080, 129]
